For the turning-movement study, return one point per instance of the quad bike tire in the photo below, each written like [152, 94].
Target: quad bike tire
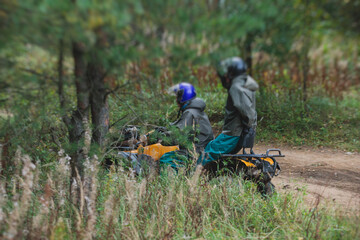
[149, 167]
[267, 189]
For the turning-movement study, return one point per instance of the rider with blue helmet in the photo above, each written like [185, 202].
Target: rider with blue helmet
[184, 92]
[191, 114]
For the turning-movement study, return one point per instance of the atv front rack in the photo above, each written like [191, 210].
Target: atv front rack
[256, 155]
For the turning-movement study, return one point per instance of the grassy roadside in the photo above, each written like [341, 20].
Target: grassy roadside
[322, 121]
[115, 205]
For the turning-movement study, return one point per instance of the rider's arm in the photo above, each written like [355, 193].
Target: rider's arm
[242, 102]
[186, 120]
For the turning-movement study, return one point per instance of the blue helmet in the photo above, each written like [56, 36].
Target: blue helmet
[184, 92]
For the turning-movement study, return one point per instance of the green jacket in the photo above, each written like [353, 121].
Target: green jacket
[240, 106]
[193, 115]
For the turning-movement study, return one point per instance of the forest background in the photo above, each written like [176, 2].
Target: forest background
[73, 73]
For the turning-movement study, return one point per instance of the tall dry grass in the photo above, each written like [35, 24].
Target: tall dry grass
[116, 205]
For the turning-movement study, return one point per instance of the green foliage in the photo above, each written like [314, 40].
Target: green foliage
[321, 120]
[215, 100]
[343, 14]
[174, 136]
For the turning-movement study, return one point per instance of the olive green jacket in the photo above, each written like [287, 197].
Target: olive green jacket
[193, 115]
[240, 106]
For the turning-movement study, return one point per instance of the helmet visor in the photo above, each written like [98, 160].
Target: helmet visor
[173, 90]
[221, 69]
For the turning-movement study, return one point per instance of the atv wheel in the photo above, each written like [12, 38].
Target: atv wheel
[267, 189]
[148, 167]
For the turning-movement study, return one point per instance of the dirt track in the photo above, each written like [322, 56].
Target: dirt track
[328, 175]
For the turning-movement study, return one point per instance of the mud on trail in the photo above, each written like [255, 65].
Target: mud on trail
[328, 175]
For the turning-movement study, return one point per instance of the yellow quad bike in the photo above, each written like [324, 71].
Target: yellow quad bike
[143, 157]
[146, 158]
[259, 168]
[155, 151]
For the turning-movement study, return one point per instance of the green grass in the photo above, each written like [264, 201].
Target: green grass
[119, 206]
[321, 121]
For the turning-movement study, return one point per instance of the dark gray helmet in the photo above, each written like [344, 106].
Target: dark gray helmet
[230, 68]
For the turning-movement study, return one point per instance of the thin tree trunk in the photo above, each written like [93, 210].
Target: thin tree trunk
[80, 116]
[248, 52]
[98, 100]
[64, 117]
[98, 96]
[4, 154]
[305, 76]
[305, 51]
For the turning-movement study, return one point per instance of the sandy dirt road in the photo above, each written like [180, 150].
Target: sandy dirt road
[331, 176]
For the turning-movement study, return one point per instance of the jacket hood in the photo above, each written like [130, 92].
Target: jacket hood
[249, 83]
[197, 103]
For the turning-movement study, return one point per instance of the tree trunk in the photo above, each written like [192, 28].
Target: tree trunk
[4, 154]
[305, 76]
[305, 52]
[248, 52]
[98, 96]
[98, 99]
[64, 116]
[80, 116]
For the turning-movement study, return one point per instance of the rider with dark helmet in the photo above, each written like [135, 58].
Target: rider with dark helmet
[240, 114]
[191, 114]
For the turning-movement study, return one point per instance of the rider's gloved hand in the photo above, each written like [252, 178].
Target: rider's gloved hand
[161, 129]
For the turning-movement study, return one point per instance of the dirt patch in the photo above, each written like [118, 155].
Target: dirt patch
[328, 175]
